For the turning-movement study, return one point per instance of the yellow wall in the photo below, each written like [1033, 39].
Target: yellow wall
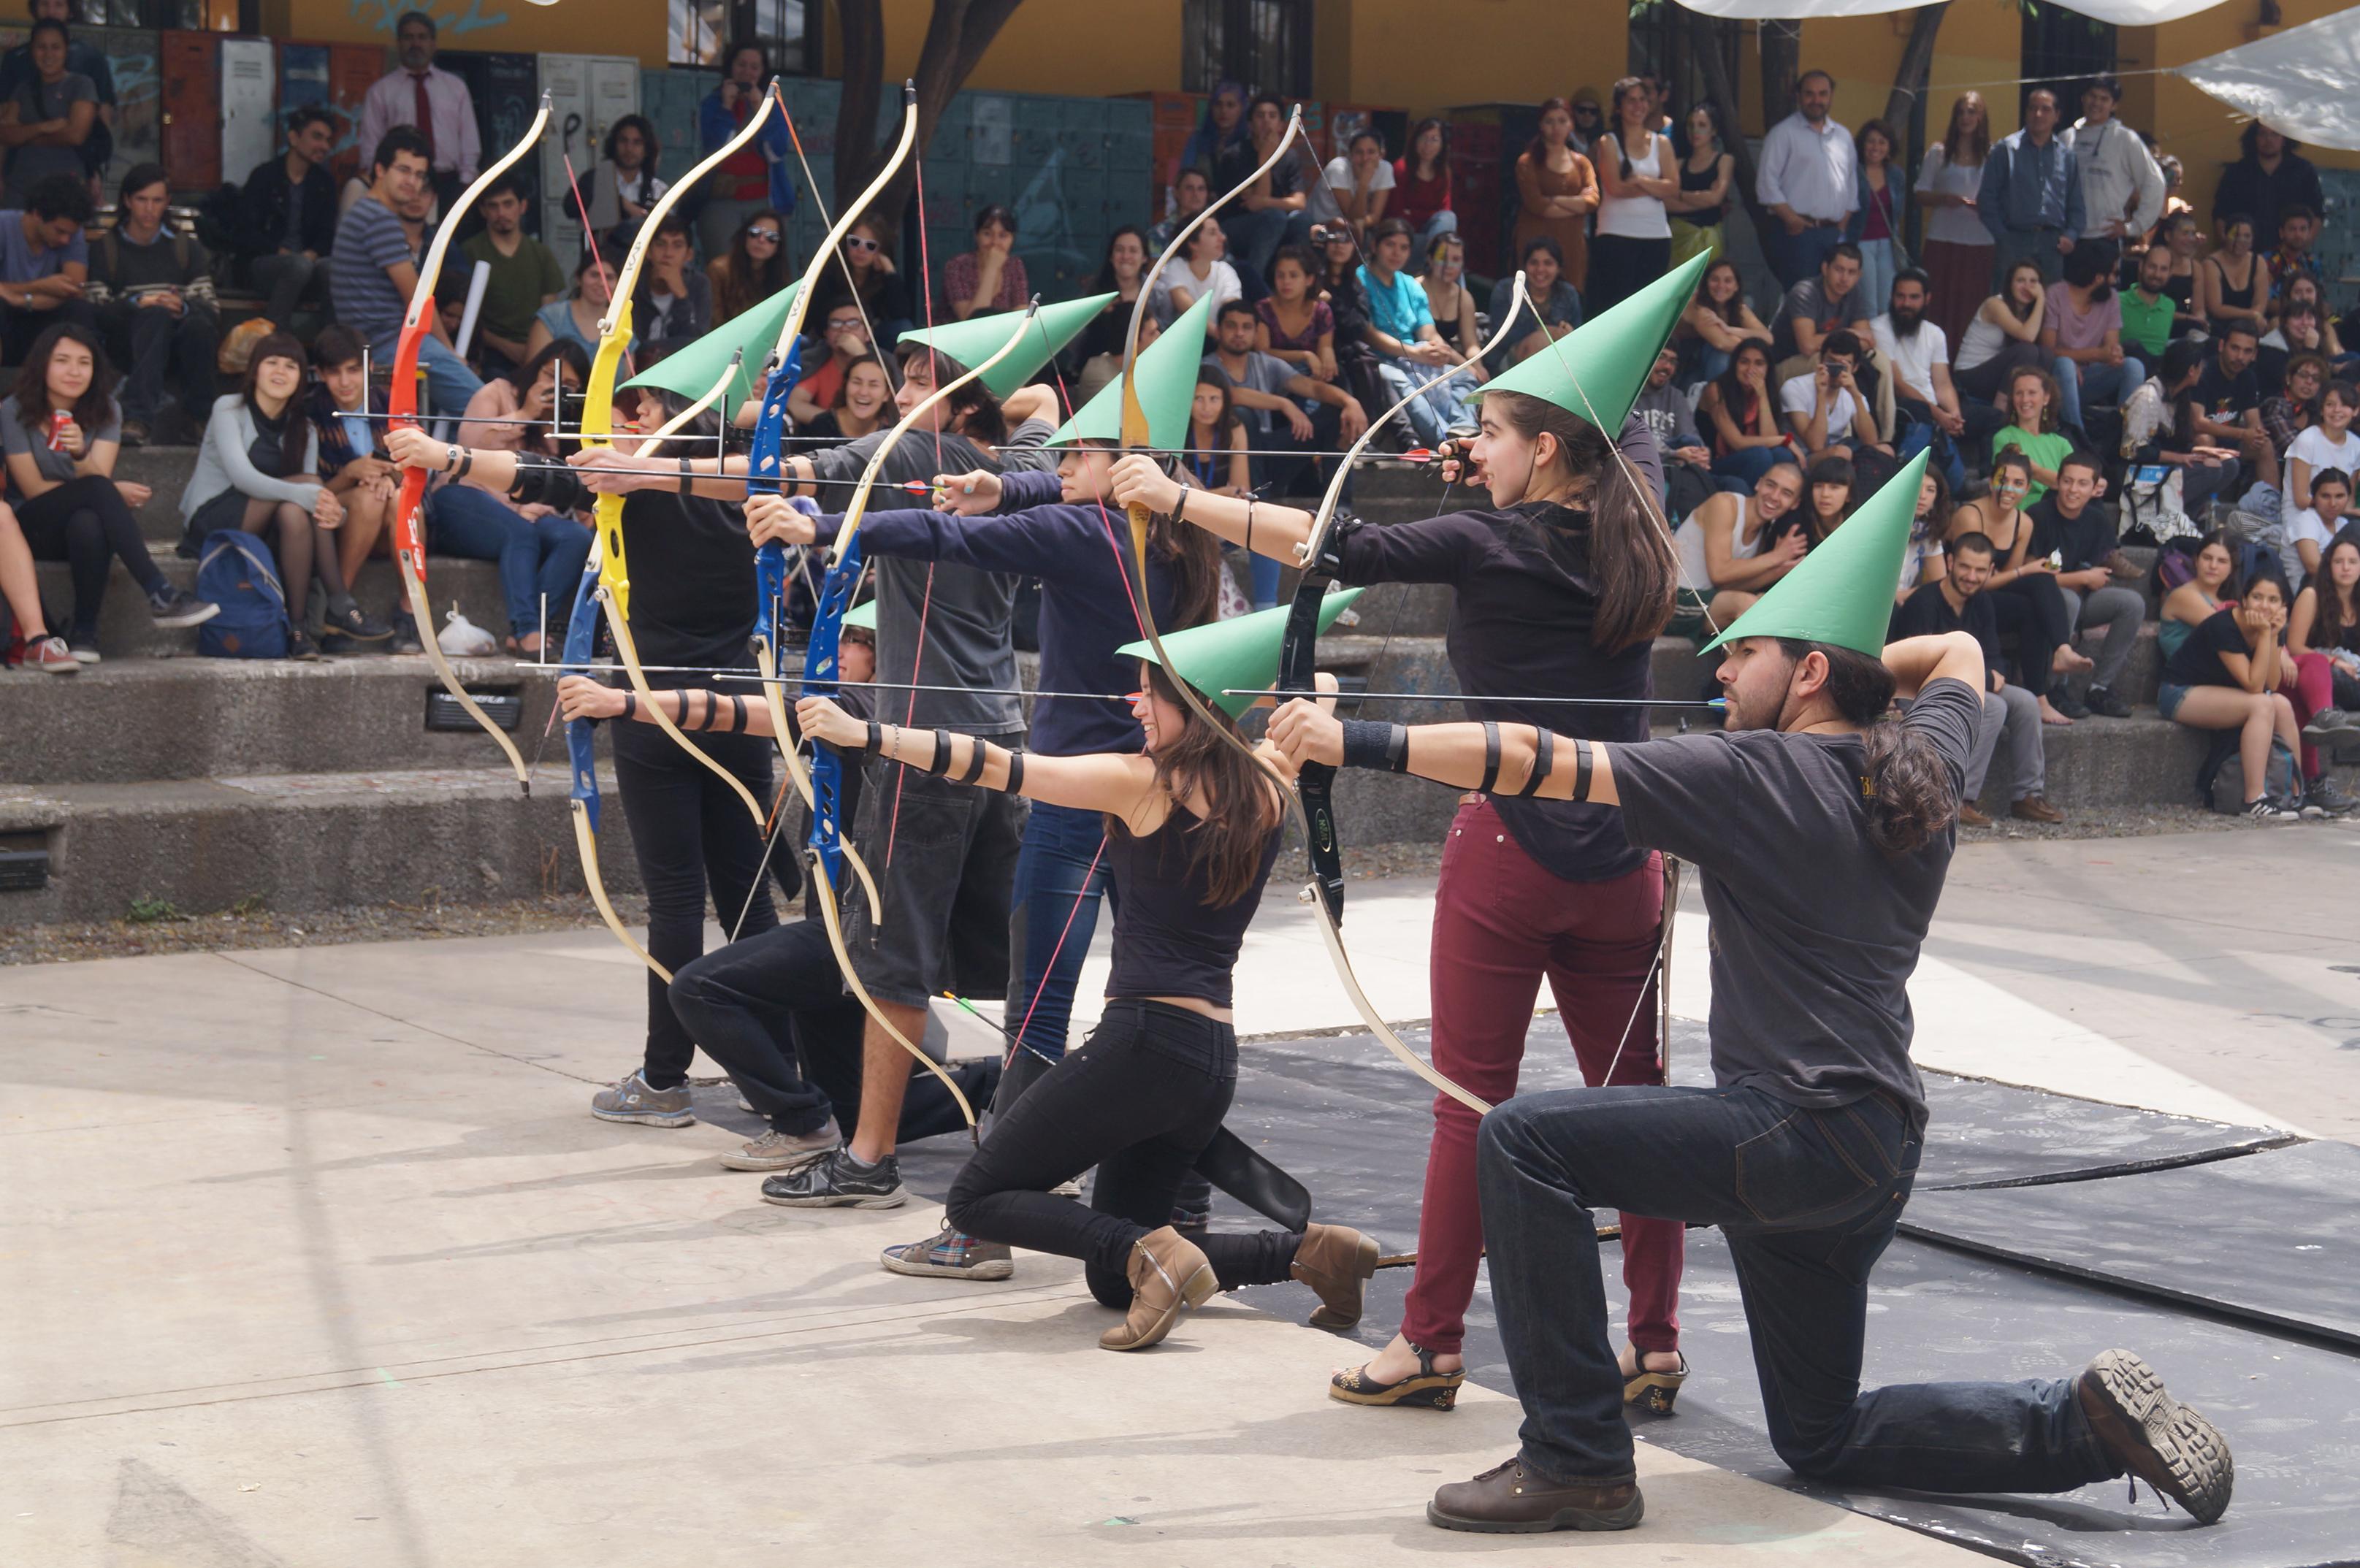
[570, 27]
[1482, 51]
[1979, 44]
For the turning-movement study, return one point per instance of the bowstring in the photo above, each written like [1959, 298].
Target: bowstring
[926, 604]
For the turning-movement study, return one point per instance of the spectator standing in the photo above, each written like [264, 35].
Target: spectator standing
[82, 58]
[1808, 178]
[753, 268]
[257, 471]
[1276, 208]
[1295, 325]
[372, 268]
[1814, 307]
[1637, 175]
[2158, 429]
[989, 279]
[44, 264]
[1705, 176]
[48, 119]
[2121, 186]
[1361, 184]
[2234, 284]
[755, 176]
[2226, 676]
[525, 277]
[2004, 336]
[1956, 602]
[1715, 323]
[1410, 352]
[1422, 194]
[2076, 531]
[2269, 177]
[844, 340]
[1200, 273]
[1588, 119]
[867, 269]
[575, 317]
[2033, 401]
[2082, 332]
[433, 103]
[1552, 307]
[1448, 297]
[1875, 225]
[673, 307]
[348, 417]
[1827, 413]
[62, 489]
[288, 206]
[1742, 414]
[2031, 199]
[1957, 248]
[153, 291]
[622, 187]
[1556, 189]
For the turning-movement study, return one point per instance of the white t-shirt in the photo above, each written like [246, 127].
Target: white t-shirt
[1801, 395]
[1339, 175]
[2305, 523]
[1221, 283]
[1914, 360]
[2314, 448]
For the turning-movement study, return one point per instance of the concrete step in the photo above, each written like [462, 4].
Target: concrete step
[165, 470]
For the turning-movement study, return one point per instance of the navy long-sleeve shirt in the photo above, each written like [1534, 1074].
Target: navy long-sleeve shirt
[1086, 601]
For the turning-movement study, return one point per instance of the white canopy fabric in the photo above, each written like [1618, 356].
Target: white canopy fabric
[2122, 12]
[2303, 82]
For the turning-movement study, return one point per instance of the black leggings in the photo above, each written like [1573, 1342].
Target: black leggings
[86, 523]
[2032, 608]
[689, 832]
[1140, 1100]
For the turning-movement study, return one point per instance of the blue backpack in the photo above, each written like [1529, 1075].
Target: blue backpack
[236, 572]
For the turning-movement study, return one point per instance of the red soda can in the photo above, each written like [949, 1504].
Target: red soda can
[58, 419]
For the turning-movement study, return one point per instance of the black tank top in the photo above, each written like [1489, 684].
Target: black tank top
[2237, 299]
[1701, 179]
[1168, 940]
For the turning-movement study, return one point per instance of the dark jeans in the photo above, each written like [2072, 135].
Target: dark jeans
[1053, 913]
[771, 1010]
[86, 523]
[1950, 455]
[541, 560]
[287, 279]
[19, 328]
[1141, 1100]
[1298, 473]
[1797, 256]
[1809, 1200]
[689, 832]
[154, 344]
[2033, 609]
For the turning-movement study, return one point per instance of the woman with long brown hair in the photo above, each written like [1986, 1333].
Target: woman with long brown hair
[1564, 578]
[1556, 189]
[1638, 173]
[753, 268]
[1956, 251]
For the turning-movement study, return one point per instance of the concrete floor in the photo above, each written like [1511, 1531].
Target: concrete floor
[316, 1256]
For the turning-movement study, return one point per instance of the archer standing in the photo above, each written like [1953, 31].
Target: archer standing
[1804, 1149]
[1562, 583]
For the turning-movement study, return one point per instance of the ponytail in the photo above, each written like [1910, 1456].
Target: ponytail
[1904, 784]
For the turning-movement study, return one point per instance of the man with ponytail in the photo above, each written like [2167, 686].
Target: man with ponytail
[1804, 1150]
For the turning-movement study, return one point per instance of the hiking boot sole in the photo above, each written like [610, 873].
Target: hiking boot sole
[2165, 1443]
[892, 1200]
[1624, 1517]
[648, 1118]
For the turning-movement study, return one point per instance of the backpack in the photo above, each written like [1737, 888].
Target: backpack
[2221, 782]
[236, 572]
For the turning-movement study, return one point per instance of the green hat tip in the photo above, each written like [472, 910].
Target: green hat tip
[1166, 372]
[1598, 370]
[691, 371]
[1238, 656]
[974, 340]
[1842, 592]
[862, 614]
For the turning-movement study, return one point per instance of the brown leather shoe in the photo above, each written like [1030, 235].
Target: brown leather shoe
[1337, 1261]
[1167, 1273]
[2033, 809]
[1971, 818]
[1509, 1499]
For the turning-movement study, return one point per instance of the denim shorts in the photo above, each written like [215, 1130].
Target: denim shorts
[2167, 698]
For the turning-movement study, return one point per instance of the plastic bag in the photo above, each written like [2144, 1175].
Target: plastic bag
[462, 639]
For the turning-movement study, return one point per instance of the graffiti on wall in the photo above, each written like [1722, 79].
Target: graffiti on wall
[379, 16]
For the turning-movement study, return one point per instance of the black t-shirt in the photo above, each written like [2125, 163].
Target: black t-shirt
[2197, 661]
[692, 571]
[1926, 613]
[1815, 932]
[2082, 542]
[2226, 399]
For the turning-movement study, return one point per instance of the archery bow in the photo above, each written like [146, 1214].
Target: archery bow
[401, 409]
[597, 430]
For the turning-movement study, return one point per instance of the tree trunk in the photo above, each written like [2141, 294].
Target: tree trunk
[1902, 107]
[1781, 46]
[956, 37]
[1705, 46]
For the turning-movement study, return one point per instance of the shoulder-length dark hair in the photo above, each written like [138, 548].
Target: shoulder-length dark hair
[2330, 627]
[1236, 808]
[986, 424]
[743, 284]
[1228, 420]
[295, 439]
[1733, 392]
[1960, 147]
[1828, 470]
[648, 139]
[1630, 549]
[1441, 156]
[534, 371]
[1733, 312]
[1537, 149]
[1106, 280]
[94, 409]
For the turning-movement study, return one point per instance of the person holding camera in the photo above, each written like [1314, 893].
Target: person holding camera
[1825, 407]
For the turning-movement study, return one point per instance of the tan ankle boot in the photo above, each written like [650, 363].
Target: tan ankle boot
[1167, 1272]
[1337, 1261]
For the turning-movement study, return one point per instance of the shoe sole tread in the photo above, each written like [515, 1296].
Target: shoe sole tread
[2188, 1460]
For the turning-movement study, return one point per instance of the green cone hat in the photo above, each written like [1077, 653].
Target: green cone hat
[1240, 655]
[973, 342]
[864, 613]
[1167, 387]
[1599, 369]
[1842, 591]
[691, 372]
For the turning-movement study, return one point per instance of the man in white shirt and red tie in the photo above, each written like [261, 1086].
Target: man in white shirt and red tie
[435, 102]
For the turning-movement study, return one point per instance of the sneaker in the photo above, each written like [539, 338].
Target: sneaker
[300, 643]
[838, 1180]
[2101, 700]
[352, 623]
[2271, 809]
[51, 656]
[2328, 796]
[2329, 724]
[174, 609]
[783, 1150]
[84, 651]
[2309, 808]
[2065, 702]
[405, 635]
[949, 1254]
[2033, 809]
[632, 1100]
[2155, 1437]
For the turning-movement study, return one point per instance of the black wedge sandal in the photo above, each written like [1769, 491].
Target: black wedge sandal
[1424, 1389]
[1655, 1392]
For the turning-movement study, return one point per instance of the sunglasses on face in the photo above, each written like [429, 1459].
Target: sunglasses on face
[854, 242]
[768, 237]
